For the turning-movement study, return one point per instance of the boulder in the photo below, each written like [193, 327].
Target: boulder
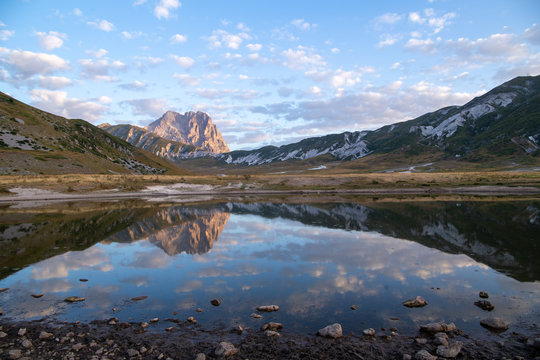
[497, 324]
[484, 305]
[226, 349]
[483, 295]
[441, 339]
[424, 355]
[215, 302]
[416, 302]
[274, 326]
[331, 331]
[369, 332]
[438, 327]
[267, 308]
[450, 351]
[72, 299]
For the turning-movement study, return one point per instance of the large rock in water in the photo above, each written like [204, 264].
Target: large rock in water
[194, 128]
[331, 331]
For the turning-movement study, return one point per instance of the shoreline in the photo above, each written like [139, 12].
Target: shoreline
[44, 339]
[484, 190]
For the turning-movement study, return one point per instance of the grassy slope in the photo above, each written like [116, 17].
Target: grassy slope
[73, 146]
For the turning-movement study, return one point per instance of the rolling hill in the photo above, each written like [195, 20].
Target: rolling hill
[33, 141]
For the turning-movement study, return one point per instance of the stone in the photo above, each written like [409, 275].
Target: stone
[143, 350]
[154, 320]
[215, 302]
[225, 349]
[139, 298]
[416, 302]
[438, 327]
[144, 324]
[83, 280]
[424, 355]
[267, 308]
[198, 310]
[450, 351]
[497, 324]
[271, 333]
[45, 335]
[170, 328]
[484, 305]
[2, 334]
[191, 320]
[331, 331]
[256, 316]
[483, 295]
[354, 307]
[421, 341]
[132, 352]
[3, 289]
[77, 347]
[27, 344]
[115, 309]
[441, 339]
[369, 332]
[72, 299]
[200, 356]
[238, 329]
[37, 296]
[407, 357]
[21, 332]
[1, 311]
[14, 354]
[274, 326]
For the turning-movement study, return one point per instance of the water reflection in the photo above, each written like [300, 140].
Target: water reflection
[315, 260]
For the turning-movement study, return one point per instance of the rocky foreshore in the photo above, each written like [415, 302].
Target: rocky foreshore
[110, 339]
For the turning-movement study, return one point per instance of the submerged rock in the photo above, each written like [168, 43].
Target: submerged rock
[332, 331]
[215, 302]
[497, 324]
[483, 294]
[416, 302]
[154, 320]
[484, 305]
[354, 307]
[3, 289]
[450, 351]
[226, 349]
[267, 308]
[72, 299]
[238, 329]
[139, 298]
[438, 327]
[191, 320]
[256, 316]
[37, 296]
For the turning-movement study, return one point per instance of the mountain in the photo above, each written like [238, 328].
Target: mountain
[146, 140]
[33, 141]
[191, 128]
[503, 122]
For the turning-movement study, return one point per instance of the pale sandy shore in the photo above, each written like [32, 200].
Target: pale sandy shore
[170, 192]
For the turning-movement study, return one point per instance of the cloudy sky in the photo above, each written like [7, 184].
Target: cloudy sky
[267, 72]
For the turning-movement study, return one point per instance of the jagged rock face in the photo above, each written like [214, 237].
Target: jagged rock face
[191, 128]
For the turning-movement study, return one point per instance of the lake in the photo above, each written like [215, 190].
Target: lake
[314, 258]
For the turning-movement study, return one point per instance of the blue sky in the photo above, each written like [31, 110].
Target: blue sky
[267, 72]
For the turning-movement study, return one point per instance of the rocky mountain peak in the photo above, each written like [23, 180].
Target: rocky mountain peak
[194, 128]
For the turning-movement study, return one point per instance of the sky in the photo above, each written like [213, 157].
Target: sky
[267, 72]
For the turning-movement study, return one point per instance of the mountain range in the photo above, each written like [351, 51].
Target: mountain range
[499, 129]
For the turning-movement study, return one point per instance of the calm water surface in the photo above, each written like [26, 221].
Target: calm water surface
[313, 260]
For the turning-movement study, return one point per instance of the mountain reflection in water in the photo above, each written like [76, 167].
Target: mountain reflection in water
[314, 260]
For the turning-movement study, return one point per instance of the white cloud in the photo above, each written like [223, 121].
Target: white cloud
[98, 70]
[51, 40]
[232, 93]
[243, 27]
[53, 82]
[59, 103]
[339, 78]
[301, 57]
[220, 38]
[430, 19]
[302, 24]
[184, 61]
[243, 77]
[148, 107]
[388, 18]
[187, 79]
[532, 34]
[147, 61]
[178, 38]
[254, 47]
[496, 47]
[416, 18]
[165, 8]
[425, 46]
[139, 2]
[335, 50]
[97, 53]
[135, 85]
[27, 63]
[6, 34]
[77, 12]
[387, 40]
[102, 25]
